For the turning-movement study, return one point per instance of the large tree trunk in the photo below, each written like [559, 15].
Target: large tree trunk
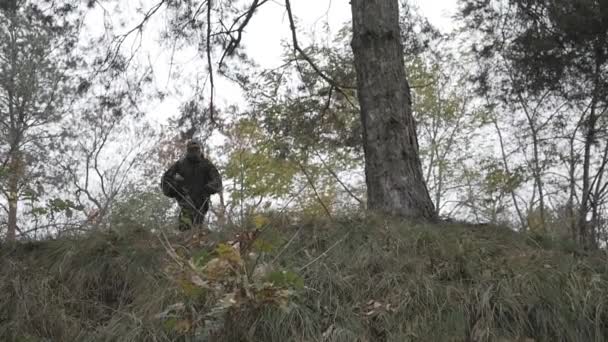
[11, 233]
[393, 173]
[14, 173]
[13, 197]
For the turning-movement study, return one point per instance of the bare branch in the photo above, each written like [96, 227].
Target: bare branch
[302, 53]
[234, 42]
[210, 66]
[113, 55]
[314, 189]
[333, 174]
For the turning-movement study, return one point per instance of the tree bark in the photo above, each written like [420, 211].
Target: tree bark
[393, 172]
[14, 129]
[13, 197]
[583, 229]
[572, 163]
[585, 235]
[11, 232]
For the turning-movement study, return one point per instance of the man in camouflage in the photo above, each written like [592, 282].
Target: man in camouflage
[191, 181]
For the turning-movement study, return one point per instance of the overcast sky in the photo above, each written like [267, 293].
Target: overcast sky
[262, 40]
[264, 36]
[271, 25]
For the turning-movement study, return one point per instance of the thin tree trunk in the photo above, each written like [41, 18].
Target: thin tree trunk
[438, 194]
[583, 228]
[584, 208]
[505, 163]
[572, 187]
[538, 178]
[536, 169]
[597, 195]
[393, 172]
[595, 220]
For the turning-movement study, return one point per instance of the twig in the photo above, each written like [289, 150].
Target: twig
[209, 7]
[298, 49]
[113, 55]
[333, 174]
[164, 241]
[287, 245]
[314, 188]
[234, 42]
[188, 199]
[324, 253]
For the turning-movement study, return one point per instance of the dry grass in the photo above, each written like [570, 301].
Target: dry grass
[365, 280]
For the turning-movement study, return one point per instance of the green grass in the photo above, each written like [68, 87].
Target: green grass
[365, 279]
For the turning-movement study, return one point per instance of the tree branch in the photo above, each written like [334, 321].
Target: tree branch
[210, 66]
[234, 42]
[302, 53]
[314, 189]
[333, 174]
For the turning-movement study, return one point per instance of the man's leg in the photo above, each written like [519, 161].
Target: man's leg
[199, 218]
[199, 215]
[186, 219]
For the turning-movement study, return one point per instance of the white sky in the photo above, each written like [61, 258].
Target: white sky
[268, 28]
[271, 25]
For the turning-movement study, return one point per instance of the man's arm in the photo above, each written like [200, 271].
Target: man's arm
[167, 182]
[214, 183]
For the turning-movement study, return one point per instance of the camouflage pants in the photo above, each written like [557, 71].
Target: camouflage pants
[190, 218]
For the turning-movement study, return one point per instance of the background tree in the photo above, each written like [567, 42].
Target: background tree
[395, 182]
[557, 77]
[35, 54]
[447, 126]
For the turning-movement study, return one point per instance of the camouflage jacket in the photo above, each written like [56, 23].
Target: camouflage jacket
[191, 181]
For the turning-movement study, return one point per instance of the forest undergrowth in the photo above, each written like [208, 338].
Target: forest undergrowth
[341, 279]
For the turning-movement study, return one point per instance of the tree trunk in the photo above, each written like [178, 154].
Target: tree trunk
[14, 160]
[538, 177]
[11, 233]
[583, 228]
[585, 235]
[572, 223]
[393, 172]
[13, 198]
[505, 164]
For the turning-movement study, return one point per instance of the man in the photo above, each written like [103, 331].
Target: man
[192, 180]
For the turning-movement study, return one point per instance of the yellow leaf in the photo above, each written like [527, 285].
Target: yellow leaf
[191, 290]
[228, 253]
[217, 269]
[260, 221]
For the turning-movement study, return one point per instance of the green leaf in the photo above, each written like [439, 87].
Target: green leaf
[170, 324]
[286, 279]
[262, 245]
[39, 211]
[201, 258]
[190, 289]
[228, 253]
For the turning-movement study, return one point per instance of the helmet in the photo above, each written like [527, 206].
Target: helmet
[193, 143]
[194, 151]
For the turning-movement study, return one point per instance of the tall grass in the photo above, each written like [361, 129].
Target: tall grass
[366, 279]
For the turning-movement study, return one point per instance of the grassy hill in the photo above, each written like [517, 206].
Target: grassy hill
[363, 279]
